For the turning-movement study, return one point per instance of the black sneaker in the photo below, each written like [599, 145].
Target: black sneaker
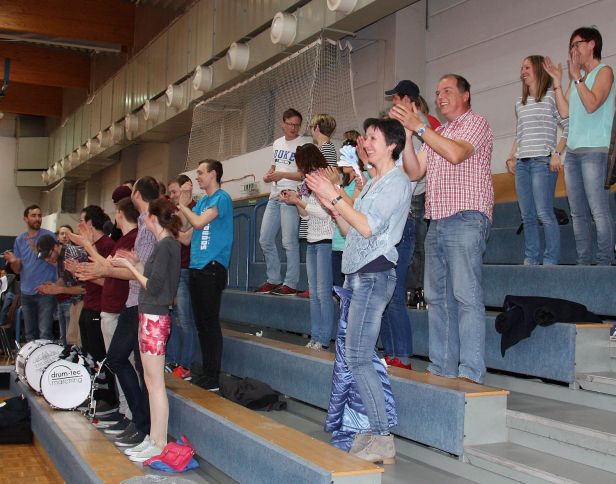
[206, 383]
[106, 421]
[131, 440]
[118, 428]
[131, 429]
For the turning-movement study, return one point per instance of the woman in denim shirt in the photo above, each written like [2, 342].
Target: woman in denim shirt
[373, 226]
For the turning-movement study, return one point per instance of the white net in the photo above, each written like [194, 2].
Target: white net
[247, 117]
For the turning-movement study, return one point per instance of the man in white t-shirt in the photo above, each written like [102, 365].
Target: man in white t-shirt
[283, 175]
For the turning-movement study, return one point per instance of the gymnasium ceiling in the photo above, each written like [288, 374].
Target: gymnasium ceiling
[51, 43]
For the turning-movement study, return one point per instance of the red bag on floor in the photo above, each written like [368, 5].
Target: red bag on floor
[176, 455]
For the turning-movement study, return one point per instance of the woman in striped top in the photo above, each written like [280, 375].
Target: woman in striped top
[535, 160]
[319, 251]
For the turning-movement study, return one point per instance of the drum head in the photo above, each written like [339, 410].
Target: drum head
[65, 385]
[22, 356]
[38, 360]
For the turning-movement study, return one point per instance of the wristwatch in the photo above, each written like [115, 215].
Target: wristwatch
[421, 131]
[336, 200]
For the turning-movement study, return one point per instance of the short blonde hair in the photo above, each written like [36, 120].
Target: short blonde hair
[325, 122]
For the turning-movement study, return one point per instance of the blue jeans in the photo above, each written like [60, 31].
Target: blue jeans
[38, 315]
[584, 174]
[183, 340]
[535, 184]
[371, 293]
[320, 283]
[279, 216]
[456, 314]
[396, 336]
[64, 315]
[416, 274]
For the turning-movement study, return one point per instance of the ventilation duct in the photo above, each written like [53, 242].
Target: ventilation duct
[238, 56]
[283, 29]
[151, 110]
[204, 76]
[174, 96]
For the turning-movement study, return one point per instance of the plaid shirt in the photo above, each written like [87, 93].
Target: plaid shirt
[468, 185]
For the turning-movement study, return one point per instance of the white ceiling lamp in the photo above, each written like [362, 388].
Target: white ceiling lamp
[283, 29]
[151, 110]
[105, 138]
[131, 123]
[117, 132]
[238, 56]
[45, 177]
[51, 176]
[174, 96]
[74, 158]
[83, 152]
[93, 146]
[203, 78]
[342, 6]
[66, 164]
[57, 169]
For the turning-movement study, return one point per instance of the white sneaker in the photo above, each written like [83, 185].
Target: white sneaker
[142, 446]
[310, 344]
[152, 450]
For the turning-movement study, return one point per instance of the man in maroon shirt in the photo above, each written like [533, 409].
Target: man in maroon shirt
[92, 220]
[182, 344]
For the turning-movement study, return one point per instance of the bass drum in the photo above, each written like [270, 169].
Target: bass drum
[39, 359]
[65, 385]
[22, 356]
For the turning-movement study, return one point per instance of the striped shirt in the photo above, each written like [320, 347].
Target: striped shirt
[331, 156]
[536, 129]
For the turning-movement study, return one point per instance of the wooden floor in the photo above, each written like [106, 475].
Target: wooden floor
[26, 463]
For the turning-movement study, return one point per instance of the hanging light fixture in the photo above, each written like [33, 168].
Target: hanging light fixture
[105, 138]
[174, 96]
[151, 110]
[203, 78]
[131, 123]
[343, 6]
[238, 56]
[283, 29]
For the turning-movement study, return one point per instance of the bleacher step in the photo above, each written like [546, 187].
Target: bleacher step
[532, 466]
[601, 382]
[575, 432]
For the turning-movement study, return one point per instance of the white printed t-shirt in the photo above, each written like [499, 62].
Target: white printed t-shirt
[284, 161]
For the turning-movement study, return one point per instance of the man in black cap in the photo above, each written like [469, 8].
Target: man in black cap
[395, 332]
[53, 252]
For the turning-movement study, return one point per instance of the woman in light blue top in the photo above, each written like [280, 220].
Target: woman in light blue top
[590, 104]
[373, 226]
[534, 159]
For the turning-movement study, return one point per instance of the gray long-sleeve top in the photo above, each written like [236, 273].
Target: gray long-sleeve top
[163, 272]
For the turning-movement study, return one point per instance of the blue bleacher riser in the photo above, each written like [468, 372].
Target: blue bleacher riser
[309, 380]
[592, 286]
[62, 453]
[241, 455]
[548, 353]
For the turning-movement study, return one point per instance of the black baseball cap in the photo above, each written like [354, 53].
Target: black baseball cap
[45, 245]
[404, 88]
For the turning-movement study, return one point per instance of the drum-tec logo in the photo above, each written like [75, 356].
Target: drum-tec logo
[63, 375]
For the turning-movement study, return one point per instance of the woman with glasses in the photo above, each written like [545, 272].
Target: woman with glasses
[534, 159]
[589, 101]
[373, 226]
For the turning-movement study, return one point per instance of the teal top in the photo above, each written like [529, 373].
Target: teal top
[338, 238]
[590, 130]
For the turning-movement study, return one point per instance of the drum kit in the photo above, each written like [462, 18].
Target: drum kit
[65, 377]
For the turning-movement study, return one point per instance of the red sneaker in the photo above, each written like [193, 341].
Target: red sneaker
[267, 288]
[183, 373]
[304, 294]
[396, 362]
[284, 290]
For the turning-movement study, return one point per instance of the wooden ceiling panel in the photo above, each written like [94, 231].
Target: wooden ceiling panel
[31, 99]
[31, 64]
[107, 21]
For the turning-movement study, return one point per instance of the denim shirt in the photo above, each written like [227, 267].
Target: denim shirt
[386, 204]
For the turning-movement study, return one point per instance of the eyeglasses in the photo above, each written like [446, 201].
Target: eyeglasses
[576, 44]
[291, 125]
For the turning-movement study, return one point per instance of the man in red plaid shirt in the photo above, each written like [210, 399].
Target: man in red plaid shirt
[459, 200]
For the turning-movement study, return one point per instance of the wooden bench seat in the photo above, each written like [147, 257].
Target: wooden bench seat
[79, 451]
[256, 438]
[442, 413]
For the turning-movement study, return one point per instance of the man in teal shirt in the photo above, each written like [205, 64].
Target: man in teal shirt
[210, 234]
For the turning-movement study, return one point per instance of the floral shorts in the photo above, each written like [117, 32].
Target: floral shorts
[154, 331]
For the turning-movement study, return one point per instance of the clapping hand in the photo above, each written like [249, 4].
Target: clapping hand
[554, 71]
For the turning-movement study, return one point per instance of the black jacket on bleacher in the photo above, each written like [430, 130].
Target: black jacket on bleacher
[521, 314]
